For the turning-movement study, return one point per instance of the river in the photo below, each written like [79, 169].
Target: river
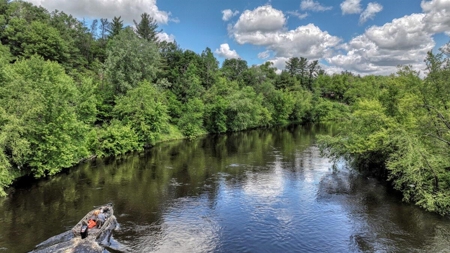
[255, 191]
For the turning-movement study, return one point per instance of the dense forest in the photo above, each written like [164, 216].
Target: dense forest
[71, 90]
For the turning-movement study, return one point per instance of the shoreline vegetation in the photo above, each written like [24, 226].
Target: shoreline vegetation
[71, 90]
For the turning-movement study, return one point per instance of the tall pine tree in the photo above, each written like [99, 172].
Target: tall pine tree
[147, 28]
[116, 26]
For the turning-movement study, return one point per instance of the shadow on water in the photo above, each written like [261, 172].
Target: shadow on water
[255, 191]
[381, 222]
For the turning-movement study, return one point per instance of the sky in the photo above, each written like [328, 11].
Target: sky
[362, 36]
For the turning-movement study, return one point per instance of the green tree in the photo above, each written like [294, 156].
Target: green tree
[26, 39]
[130, 60]
[42, 129]
[77, 38]
[5, 55]
[293, 66]
[209, 68]
[298, 67]
[184, 73]
[114, 138]
[285, 80]
[302, 105]
[191, 121]
[147, 28]
[281, 106]
[245, 110]
[87, 110]
[233, 69]
[402, 133]
[104, 28]
[217, 103]
[171, 54]
[216, 115]
[115, 27]
[46, 41]
[313, 72]
[143, 108]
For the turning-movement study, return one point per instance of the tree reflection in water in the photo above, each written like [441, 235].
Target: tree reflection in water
[261, 190]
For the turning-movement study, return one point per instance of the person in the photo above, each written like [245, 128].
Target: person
[84, 231]
[101, 217]
[92, 222]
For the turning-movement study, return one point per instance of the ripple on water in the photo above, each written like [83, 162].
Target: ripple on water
[261, 191]
[181, 228]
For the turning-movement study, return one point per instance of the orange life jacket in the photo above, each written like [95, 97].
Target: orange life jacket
[92, 223]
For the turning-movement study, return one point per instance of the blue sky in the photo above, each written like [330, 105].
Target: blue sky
[362, 36]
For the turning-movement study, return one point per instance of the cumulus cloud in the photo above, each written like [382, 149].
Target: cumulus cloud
[351, 7]
[379, 50]
[369, 12]
[279, 62]
[330, 70]
[262, 19]
[127, 9]
[313, 6]
[404, 33]
[404, 41]
[227, 14]
[307, 41]
[165, 37]
[297, 14]
[226, 52]
[437, 18]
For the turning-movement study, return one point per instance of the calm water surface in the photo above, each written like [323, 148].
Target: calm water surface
[258, 191]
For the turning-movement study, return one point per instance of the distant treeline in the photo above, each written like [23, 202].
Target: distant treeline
[71, 90]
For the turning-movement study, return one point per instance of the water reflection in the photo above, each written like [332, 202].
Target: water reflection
[380, 222]
[257, 191]
[266, 183]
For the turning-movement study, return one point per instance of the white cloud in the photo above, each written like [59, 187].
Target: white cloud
[265, 187]
[279, 62]
[262, 19]
[306, 41]
[381, 49]
[226, 52]
[313, 6]
[264, 55]
[369, 12]
[227, 14]
[330, 70]
[165, 37]
[437, 18]
[403, 41]
[297, 14]
[127, 9]
[404, 33]
[351, 7]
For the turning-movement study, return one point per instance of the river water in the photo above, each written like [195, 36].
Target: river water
[255, 191]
